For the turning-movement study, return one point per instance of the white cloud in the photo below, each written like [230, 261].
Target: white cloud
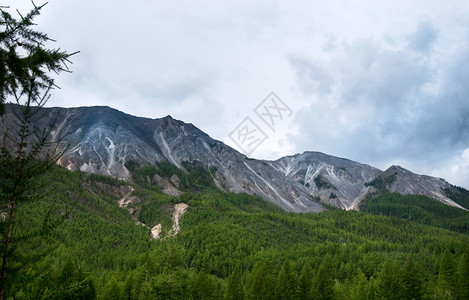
[382, 101]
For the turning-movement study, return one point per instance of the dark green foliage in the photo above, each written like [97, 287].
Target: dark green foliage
[305, 283]
[25, 63]
[446, 276]
[234, 285]
[228, 243]
[260, 282]
[25, 155]
[167, 169]
[111, 290]
[205, 286]
[156, 208]
[383, 181]
[412, 280]
[322, 183]
[323, 282]
[26, 151]
[459, 195]
[389, 284]
[199, 178]
[132, 165]
[94, 234]
[462, 288]
[418, 208]
[196, 178]
[362, 287]
[287, 285]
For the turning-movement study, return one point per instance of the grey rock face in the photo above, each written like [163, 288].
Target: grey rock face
[101, 140]
[403, 181]
[336, 181]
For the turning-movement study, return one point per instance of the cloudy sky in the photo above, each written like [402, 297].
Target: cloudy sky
[379, 82]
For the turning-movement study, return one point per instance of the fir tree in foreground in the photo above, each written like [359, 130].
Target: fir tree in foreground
[26, 153]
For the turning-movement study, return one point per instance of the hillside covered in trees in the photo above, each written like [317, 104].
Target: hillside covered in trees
[233, 246]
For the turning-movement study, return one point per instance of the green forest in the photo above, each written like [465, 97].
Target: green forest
[232, 246]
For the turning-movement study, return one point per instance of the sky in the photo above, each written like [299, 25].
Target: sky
[379, 82]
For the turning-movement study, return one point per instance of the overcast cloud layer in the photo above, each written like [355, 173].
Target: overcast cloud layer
[379, 82]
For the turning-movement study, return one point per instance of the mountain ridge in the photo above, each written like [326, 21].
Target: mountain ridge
[102, 140]
[402, 181]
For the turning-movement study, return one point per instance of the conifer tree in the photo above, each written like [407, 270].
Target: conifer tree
[260, 284]
[128, 289]
[286, 282]
[234, 285]
[361, 287]
[202, 286]
[323, 283]
[389, 283]
[171, 259]
[412, 280]
[25, 62]
[112, 290]
[25, 65]
[305, 283]
[445, 286]
[462, 289]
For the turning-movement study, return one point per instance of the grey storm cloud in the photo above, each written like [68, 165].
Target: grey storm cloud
[378, 104]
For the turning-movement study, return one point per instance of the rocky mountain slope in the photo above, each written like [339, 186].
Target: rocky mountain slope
[337, 181]
[102, 140]
[399, 180]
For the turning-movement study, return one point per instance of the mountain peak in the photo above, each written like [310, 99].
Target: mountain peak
[400, 180]
[398, 168]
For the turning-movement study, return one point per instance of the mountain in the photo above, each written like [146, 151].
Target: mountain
[399, 180]
[336, 181]
[104, 141]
